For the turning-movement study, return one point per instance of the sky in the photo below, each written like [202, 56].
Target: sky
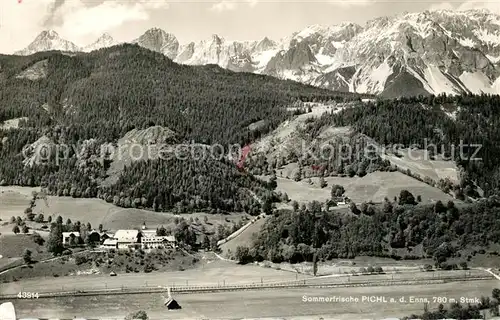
[83, 21]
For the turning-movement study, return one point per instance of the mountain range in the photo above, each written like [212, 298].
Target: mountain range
[409, 54]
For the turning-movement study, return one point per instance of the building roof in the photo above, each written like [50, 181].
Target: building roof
[149, 233]
[68, 234]
[159, 238]
[110, 242]
[126, 235]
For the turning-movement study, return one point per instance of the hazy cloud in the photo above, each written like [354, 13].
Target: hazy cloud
[493, 6]
[79, 19]
[224, 5]
[352, 3]
[73, 19]
[49, 20]
[230, 5]
[441, 6]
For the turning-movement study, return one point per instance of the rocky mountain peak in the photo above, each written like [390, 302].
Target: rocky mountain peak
[106, 36]
[156, 39]
[265, 44]
[442, 51]
[46, 41]
[216, 39]
[104, 41]
[48, 34]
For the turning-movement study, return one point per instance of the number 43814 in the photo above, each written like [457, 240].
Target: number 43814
[27, 295]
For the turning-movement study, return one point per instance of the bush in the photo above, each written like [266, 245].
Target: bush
[80, 260]
[27, 256]
[37, 238]
[148, 268]
[142, 315]
[427, 267]
[243, 255]
[39, 218]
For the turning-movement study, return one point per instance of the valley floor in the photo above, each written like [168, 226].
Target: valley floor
[282, 303]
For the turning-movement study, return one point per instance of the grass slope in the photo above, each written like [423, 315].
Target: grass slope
[244, 239]
[372, 187]
[98, 211]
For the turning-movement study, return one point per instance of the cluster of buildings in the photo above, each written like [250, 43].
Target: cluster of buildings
[124, 239]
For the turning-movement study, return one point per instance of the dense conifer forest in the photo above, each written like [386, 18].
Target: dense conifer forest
[70, 99]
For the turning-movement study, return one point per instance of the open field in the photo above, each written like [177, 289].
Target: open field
[213, 272]
[12, 246]
[420, 163]
[97, 211]
[374, 186]
[217, 272]
[14, 200]
[243, 239]
[289, 303]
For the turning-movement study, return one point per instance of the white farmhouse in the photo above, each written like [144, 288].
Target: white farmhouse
[155, 242]
[110, 244]
[127, 239]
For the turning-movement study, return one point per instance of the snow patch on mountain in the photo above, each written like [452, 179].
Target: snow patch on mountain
[375, 80]
[493, 59]
[490, 38]
[438, 81]
[476, 82]
[466, 42]
[325, 59]
[261, 59]
[421, 78]
[495, 88]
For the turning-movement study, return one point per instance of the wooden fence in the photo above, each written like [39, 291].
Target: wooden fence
[309, 283]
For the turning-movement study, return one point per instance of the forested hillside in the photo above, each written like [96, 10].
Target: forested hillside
[107, 92]
[446, 122]
[96, 98]
[442, 230]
